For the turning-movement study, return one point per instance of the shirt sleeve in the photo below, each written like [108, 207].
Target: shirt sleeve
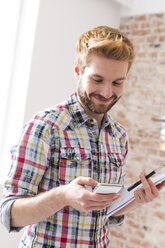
[5, 208]
[30, 159]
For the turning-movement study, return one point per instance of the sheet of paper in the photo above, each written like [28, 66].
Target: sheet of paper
[127, 197]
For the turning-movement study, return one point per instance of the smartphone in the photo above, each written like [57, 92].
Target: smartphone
[106, 188]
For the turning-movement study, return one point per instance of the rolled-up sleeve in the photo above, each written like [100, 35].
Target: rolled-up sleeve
[5, 216]
[30, 159]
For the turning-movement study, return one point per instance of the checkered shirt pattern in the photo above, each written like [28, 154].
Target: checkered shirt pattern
[56, 146]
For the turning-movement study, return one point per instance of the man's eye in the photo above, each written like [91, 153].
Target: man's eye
[98, 80]
[117, 83]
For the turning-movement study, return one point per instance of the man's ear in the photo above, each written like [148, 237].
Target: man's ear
[76, 71]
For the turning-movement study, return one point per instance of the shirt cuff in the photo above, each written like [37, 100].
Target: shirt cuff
[116, 220]
[5, 213]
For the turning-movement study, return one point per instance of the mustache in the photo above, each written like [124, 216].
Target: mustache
[113, 97]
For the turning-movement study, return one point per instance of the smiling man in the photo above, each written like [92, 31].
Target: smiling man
[64, 151]
[101, 85]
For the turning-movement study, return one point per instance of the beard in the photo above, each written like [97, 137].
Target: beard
[96, 108]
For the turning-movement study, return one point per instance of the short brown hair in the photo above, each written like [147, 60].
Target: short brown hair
[104, 41]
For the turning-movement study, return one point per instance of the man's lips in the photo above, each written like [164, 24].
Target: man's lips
[102, 99]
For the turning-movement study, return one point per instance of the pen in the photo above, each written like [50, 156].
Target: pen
[148, 176]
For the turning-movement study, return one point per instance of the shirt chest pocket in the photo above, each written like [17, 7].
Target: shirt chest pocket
[74, 162]
[116, 168]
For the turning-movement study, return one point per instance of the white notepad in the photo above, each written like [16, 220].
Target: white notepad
[127, 197]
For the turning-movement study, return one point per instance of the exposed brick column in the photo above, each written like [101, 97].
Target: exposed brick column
[143, 99]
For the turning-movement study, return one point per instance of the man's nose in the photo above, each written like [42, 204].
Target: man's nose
[106, 90]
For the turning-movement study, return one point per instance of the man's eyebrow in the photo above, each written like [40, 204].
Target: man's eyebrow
[97, 75]
[118, 79]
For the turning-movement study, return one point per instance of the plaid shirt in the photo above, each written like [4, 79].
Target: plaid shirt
[58, 145]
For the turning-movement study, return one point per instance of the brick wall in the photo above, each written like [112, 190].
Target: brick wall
[143, 99]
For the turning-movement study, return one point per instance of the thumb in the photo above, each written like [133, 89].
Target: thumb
[160, 185]
[87, 181]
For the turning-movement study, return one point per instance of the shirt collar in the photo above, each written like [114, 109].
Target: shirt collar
[79, 116]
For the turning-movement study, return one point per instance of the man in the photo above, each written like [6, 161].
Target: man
[66, 150]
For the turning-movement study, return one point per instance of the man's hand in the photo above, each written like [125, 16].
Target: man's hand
[160, 185]
[149, 191]
[77, 196]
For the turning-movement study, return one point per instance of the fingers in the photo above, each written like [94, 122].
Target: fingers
[83, 181]
[96, 205]
[105, 197]
[84, 200]
[94, 198]
[89, 209]
[160, 185]
[149, 187]
[147, 192]
[87, 181]
[90, 205]
[138, 197]
[101, 201]
[92, 201]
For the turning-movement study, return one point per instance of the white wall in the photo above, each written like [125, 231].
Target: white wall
[60, 23]
[144, 7]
